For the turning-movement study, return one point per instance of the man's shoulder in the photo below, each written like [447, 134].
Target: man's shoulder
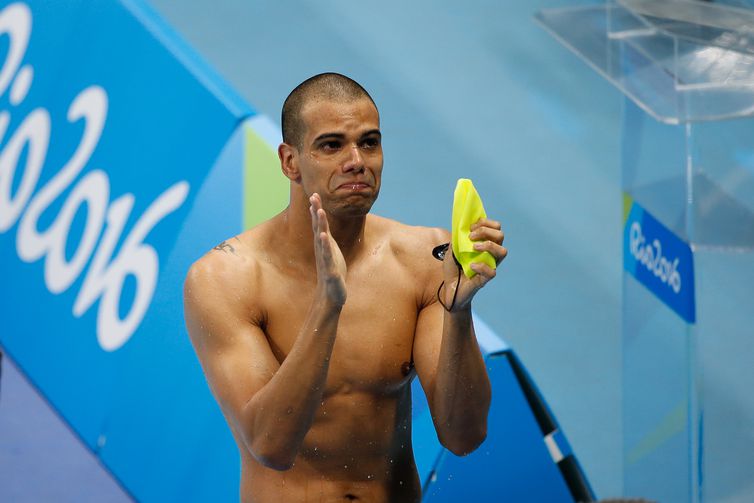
[411, 241]
[232, 261]
[218, 284]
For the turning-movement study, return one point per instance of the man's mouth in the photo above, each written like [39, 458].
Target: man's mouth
[354, 186]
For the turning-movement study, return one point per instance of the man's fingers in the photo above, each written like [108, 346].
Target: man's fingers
[321, 229]
[324, 240]
[488, 233]
[314, 205]
[486, 222]
[316, 200]
[497, 251]
[314, 219]
[486, 272]
[319, 216]
[322, 224]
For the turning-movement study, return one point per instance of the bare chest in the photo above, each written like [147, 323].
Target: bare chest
[374, 341]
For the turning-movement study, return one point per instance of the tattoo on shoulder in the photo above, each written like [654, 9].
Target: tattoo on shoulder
[225, 247]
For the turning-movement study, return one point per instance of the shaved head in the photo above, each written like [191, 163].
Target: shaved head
[325, 86]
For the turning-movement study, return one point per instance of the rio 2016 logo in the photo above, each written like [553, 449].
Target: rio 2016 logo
[107, 272]
[650, 255]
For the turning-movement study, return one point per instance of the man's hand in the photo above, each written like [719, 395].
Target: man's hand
[488, 237]
[331, 266]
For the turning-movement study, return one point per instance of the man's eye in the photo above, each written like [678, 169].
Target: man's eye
[331, 145]
[371, 143]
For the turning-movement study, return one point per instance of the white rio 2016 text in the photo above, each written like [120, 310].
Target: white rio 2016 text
[650, 255]
[106, 274]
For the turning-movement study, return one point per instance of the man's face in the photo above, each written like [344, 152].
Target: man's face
[341, 155]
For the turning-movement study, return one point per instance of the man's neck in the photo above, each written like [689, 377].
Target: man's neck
[348, 232]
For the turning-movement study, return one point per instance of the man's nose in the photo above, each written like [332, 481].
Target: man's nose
[355, 161]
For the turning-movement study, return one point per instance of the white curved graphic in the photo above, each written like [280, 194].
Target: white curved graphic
[108, 270]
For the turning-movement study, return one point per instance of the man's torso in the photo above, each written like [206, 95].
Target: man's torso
[359, 445]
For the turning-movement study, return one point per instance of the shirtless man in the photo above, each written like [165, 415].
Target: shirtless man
[311, 326]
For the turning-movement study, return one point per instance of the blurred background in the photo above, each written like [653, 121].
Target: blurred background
[475, 90]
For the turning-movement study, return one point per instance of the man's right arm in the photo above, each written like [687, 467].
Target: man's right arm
[270, 405]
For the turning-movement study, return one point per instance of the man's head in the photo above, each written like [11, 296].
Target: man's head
[332, 144]
[322, 87]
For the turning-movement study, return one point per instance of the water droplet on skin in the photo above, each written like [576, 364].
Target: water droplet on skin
[345, 466]
[369, 477]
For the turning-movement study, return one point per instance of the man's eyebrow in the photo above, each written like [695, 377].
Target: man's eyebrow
[323, 136]
[341, 136]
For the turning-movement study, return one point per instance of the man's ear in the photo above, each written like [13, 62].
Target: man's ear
[289, 162]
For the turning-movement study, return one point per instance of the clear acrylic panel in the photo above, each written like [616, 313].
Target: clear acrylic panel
[657, 416]
[679, 60]
[724, 373]
[687, 70]
[688, 407]
[697, 179]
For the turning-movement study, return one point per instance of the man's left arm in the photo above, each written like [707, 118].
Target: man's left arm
[446, 353]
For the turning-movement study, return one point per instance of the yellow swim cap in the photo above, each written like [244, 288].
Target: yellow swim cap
[467, 209]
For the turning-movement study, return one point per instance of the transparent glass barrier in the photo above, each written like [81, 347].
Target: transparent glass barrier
[688, 405]
[688, 408]
[657, 418]
[687, 70]
[724, 374]
[697, 179]
[679, 60]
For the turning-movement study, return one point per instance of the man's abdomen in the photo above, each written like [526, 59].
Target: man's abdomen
[358, 449]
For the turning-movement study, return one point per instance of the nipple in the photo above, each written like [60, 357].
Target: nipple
[406, 368]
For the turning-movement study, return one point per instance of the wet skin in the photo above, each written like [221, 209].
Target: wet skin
[359, 443]
[311, 326]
